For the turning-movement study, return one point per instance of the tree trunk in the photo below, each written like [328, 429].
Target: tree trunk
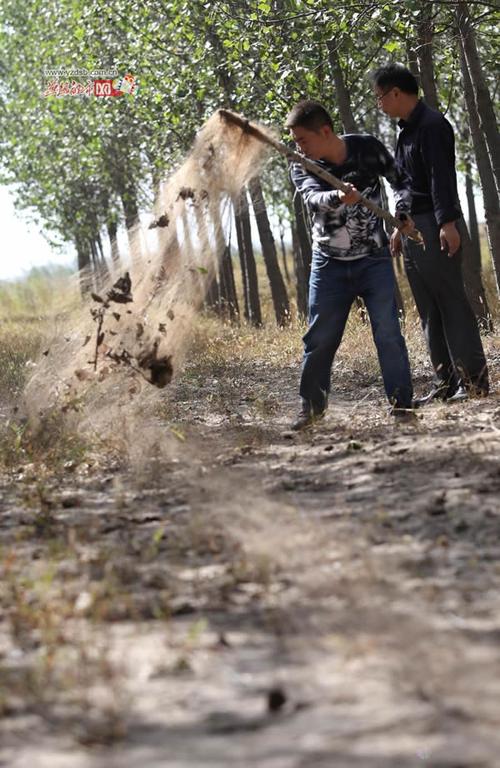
[341, 91]
[128, 197]
[278, 289]
[425, 31]
[130, 208]
[283, 251]
[112, 228]
[490, 196]
[97, 270]
[102, 257]
[247, 261]
[229, 299]
[412, 60]
[302, 255]
[484, 104]
[212, 294]
[84, 270]
[188, 251]
[212, 299]
[471, 267]
[399, 296]
[471, 207]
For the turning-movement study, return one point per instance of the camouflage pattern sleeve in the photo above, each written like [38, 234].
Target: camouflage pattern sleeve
[316, 193]
[396, 176]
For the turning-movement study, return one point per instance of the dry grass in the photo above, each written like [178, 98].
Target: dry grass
[217, 345]
[219, 351]
[37, 297]
[69, 571]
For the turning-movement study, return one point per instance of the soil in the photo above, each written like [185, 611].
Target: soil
[258, 597]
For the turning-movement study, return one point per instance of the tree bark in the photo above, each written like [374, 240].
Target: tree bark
[229, 299]
[471, 207]
[341, 91]
[302, 255]
[484, 104]
[471, 267]
[278, 289]
[425, 31]
[252, 310]
[84, 270]
[412, 60]
[102, 258]
[212, 298]
[128, 197]
[130, 208]
[212, 295]
[112, 228]
[399, 296]
[490, 196]
[283, 251]
[98, 268]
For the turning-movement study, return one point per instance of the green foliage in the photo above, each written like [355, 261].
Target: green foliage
[77, 162]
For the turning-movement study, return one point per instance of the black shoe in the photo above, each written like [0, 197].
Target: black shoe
[459, 396]
[436, 393]
[307, 417]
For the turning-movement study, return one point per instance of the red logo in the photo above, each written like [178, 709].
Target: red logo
[105, 88]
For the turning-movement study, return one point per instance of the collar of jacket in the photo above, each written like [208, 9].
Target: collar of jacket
[414, 116]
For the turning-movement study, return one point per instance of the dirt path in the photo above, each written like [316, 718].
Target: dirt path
[262, 598]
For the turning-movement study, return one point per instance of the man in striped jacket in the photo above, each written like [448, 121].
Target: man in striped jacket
[350, 256]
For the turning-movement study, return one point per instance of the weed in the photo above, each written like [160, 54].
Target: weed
[12, 444]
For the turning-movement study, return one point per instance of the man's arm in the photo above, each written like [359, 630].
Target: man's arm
[438, 154]
[397, 178]
[401, 186]
[315, 192]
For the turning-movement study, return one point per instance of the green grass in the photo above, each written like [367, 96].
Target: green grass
[27, 306]
[41, 294]
[19, 346]
[27, 310]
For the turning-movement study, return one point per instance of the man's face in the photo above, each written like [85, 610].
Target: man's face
[388, 100]
[312, 143]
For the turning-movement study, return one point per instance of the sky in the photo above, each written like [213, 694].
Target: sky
[24, 247]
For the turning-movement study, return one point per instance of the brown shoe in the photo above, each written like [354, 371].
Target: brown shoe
[404, 415]
[306, 418]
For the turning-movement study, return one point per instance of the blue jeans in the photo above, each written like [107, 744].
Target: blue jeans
[333, 286]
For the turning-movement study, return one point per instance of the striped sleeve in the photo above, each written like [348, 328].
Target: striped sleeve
[315, 192]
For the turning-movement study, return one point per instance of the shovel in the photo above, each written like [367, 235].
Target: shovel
[309, 165]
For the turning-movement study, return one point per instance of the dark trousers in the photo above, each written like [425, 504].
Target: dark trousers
[449, 324]
[334, 284]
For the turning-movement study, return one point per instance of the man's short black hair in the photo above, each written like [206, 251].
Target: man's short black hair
[310, 115]
[395, 76]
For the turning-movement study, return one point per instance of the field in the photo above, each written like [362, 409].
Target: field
[215, 590]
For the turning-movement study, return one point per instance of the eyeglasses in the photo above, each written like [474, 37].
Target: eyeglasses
[381, 96]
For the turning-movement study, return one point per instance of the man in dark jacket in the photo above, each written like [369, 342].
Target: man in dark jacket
[350, 256]
[426, 151]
